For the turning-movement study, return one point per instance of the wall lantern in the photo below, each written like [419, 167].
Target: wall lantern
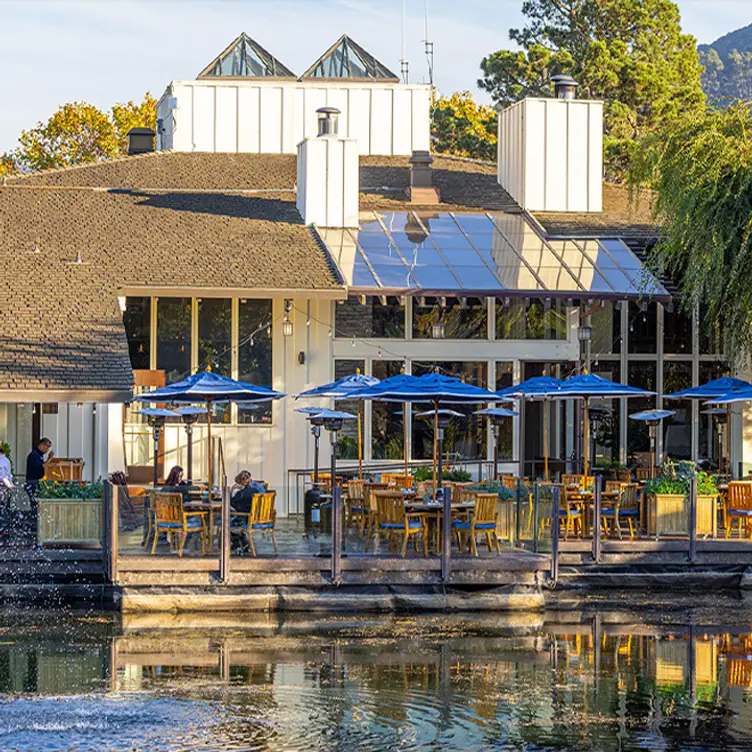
[438, 330]
[286, 323]
[584, 333]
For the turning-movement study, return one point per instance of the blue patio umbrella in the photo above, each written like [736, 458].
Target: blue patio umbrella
[536, 388]
[494, 415]
[653, 419]
[209, 387]
[720, 387]
[433, 388]
[587, 385]
[341, 389]
[156, 417]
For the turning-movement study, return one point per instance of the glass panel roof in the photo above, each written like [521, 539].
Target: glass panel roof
[481, 254]
[246, 58]
[347, 59]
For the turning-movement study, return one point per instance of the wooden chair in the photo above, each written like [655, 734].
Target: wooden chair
[623, 476]
[508, 481]
[574, 479]
[642, 473]
[402, 481]
[150, 511]
[483, 519]
[569, 513]
[394, 520]
[626, 507]
[355, 503]
[738, 507]
[614, 485]
[260, 519]
[171, 518]
[370, 511]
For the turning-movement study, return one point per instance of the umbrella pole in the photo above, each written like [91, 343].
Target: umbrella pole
[436, 481]
[728, 441]
[586, 432]
[209, 444]
[545, 439]
[404, 437]
[360, 445]
[521, 436]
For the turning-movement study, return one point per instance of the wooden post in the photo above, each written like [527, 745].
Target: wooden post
[693, 520]
[224, 543]
[597, 515]
[105, 543]
[518, 516]
[336, 534]
[555, 534]
[536, 516]
[446, 534]
[110, 519]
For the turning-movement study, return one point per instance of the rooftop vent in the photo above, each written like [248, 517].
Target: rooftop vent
[328, 121]
[421, 190]
[564, 86]
[140, 141]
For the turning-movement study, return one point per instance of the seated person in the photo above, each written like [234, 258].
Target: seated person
[176, 484]
[247, 489]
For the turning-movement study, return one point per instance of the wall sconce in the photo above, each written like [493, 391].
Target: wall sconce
[301, 358]
[438, 330]
[287, 328]
[584, 333]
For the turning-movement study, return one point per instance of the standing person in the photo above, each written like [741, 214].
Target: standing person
[6, 472]
[35, 465]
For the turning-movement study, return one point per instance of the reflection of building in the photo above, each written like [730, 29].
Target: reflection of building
[163, 263]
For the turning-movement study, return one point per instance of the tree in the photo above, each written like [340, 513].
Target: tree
[78, 133]
[462, 127]
[700, 168]
[630, 53]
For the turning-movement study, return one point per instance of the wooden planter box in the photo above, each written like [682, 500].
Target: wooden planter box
[668, 514]
[75, 521]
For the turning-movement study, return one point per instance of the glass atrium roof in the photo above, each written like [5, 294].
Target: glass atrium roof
[470, 255]
[245, 58]
[347, 59]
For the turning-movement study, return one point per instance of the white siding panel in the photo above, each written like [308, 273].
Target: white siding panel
[577, 157]
[359, 118]
[421, 126]
[534, 175]
[338, 98]
[314, 98]
[333, 173]
[248, 118]
[595, 157]
[271, 120]
[381, 121]
[402, 121]
[182, 129]
[227, 119]
[298, 109]
[556, 155]
[289, 144]
[203, 118]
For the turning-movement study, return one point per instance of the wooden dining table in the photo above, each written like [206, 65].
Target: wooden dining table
[204, 505]
[434, 512]
[585, 498]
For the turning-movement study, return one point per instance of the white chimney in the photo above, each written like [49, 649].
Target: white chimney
[550, 155]
[328, 175]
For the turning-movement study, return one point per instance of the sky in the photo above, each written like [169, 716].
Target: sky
[107, 51]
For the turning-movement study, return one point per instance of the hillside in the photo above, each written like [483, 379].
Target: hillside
[728, 66]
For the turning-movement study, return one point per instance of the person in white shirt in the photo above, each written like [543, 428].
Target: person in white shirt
[6, 474]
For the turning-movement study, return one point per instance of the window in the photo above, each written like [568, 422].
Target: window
[711, 335]
[504, 378]
[215, 345]
[643, 328]
[371, 319]
[347, 439]
[605, 423]
[255, 355]
[465, 438]
[605, 323]
[49, 408]
[520, 318]
[677, 429]
[708, 444]
[463, 319]
[137, 322]
[677, 333]
[387, 436]
[642, 375]
[174, 337]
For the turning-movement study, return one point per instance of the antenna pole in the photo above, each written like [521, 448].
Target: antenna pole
[404, 65]
[428, 46]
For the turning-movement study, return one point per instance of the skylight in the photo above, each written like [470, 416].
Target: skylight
[495, 254]
[347, 59]
[245, 58]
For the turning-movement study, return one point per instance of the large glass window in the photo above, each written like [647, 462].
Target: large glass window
[465, 438]
[677, 332]
[711, 335]
[643, 328]
[520, 318]
[642, 374]
[504, 378]
[137, 322]
[347, 440]
[708, 444]
[215, 344]
[677, 429]
[174, 337]
[387, 438]
[463, 319]
[605, 323]
[371, 319]
[255, 354]
[605, 417]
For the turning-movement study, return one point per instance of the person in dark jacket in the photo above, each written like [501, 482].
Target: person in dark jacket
[35, 464]
[247, 488]
[176, 484]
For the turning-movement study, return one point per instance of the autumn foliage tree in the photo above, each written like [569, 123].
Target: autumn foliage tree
[462, 127]
[630, 53]
[78, 133]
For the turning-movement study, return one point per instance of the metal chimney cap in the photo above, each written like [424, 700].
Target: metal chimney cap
[329, 110]
[564, 86]
[421, 157]
[328, 121]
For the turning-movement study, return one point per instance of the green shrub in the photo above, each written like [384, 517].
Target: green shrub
[69, 490]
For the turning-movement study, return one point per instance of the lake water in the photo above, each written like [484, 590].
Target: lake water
[599, 674]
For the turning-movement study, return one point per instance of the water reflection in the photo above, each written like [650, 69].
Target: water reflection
[585, 678]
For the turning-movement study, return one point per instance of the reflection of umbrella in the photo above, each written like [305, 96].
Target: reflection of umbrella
[721, 387]
[538, 387]
[495, 416]
[341, 389]
[434, 388]
[653, 419]
[210, 387]
[157, 417]
[588, 385]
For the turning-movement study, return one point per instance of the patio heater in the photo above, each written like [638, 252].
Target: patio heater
[596, 415]
[333, 420]
[496, 416]
[189, 417]
[719, 415]
[156, 417]
[653, 419]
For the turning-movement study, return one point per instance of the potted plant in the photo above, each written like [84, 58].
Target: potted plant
[70, 512]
